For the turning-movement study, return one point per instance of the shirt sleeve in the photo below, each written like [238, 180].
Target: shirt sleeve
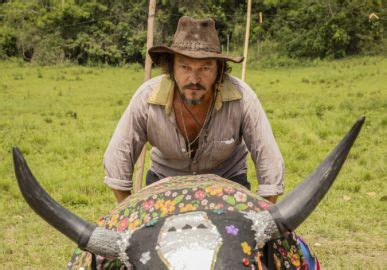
[126, 144]
[260, 141]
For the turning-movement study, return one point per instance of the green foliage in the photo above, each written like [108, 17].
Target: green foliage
[328, 28]
[62, 118]
[114, 32]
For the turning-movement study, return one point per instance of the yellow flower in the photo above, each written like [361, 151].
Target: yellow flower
[168, 207]
[187, 207]
[214, 191]
[159, 204]
[134, 224]
[277, 262]
[113, 220]
[246, 248]
[294, 259]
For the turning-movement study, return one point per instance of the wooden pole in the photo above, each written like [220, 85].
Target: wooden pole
[246, 40]
[148, 74]
[228, 43]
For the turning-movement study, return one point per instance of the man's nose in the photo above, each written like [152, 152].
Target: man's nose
[194, 77]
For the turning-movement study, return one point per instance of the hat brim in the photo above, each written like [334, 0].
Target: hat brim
[157, 51]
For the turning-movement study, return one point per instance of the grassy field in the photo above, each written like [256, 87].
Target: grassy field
[62, 118]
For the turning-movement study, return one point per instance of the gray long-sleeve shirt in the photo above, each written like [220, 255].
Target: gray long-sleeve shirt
[238, 124]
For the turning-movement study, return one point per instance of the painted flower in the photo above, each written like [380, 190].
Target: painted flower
[184, 191]
[154, 197]
[174, 194]
[250, 204]
[168, 207]
[187, 207]
[167, 193]
[212, 205]
[294, 259]
[101, 221]
[264, 205]
[240, 197]
[229, 190]
[122, 225]
[214, 191]
[246, 248]
[277, 262]
[133, 216]
[200, 195]
[204, 202]
[282, 251]
[159, 204]
[145, 257]
[188, 197]
[181, 205]
[232, 230]
[148, 204]
[147, 218]
[219, 206]
[134, 224]
[230, 208]
[113, 220]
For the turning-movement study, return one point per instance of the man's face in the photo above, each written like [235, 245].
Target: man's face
[195, 78]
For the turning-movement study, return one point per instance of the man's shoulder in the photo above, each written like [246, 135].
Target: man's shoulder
[242, 87]
[151, 84]
[145, 90]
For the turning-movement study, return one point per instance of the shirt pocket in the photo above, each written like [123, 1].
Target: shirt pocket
[223, 149]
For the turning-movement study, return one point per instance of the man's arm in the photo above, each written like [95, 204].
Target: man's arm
[121, 194]
[265, 153]
[125, 147]
[272, 199]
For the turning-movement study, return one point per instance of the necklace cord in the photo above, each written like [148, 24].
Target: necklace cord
[208, 115]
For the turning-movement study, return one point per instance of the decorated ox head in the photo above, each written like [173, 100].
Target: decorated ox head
[192, 222]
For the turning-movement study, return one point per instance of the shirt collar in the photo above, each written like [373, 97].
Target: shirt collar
[162, 94]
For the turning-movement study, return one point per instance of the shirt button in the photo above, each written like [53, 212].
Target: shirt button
[183, 150]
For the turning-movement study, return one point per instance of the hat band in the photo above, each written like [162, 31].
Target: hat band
[195, 46]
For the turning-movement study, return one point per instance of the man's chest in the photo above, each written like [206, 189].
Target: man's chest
[166, 131]
[190, 122]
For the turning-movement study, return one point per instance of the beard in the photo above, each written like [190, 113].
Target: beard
[192, 100]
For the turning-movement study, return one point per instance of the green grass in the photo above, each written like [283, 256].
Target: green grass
[62, 118]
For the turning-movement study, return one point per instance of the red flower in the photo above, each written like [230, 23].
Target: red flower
[200, 195]
[264, 205]
[148, 204]
[229, 190]
[122, 225]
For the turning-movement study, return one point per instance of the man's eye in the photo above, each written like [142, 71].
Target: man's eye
[184, 67]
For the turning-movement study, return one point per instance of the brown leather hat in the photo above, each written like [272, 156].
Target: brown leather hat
[196, 39]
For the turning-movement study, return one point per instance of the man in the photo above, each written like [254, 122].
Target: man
[198, 119]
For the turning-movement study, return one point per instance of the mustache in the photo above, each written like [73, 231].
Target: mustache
[194, 86]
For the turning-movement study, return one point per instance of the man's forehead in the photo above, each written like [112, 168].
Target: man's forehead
[188, 60]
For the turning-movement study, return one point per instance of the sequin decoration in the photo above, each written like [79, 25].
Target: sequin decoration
[189, 241]
[182, 195]
[246, 248]
[145, 257]
[232, 230]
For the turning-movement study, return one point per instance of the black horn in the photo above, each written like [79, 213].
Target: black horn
[59, 217]
[289, 213]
